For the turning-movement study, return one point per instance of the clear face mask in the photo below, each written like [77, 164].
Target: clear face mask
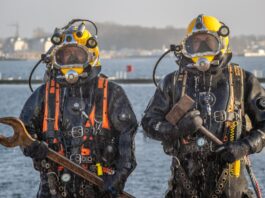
[71, 59]
[201, 47]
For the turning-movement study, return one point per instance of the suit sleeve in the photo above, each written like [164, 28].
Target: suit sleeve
[153, 121]
[255, 109]
[124, 121]
[32, 113]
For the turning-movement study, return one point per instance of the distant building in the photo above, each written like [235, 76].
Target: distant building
[262, 43]
[256, 52]
[47, 44]
[40, 45]
[14, 44]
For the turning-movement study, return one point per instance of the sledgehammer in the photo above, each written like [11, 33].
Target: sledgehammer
[180, 109]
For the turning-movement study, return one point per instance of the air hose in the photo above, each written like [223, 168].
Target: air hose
[45, 58]
[31, 73]
[253, 178]
[77, 20]
[173, 48]
[157, 63]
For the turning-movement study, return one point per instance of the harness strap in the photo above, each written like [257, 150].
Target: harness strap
[233, 128]
[91, 121]
[51, 117]
[220, 185]
[180, 173]
[57, 107]
[98, 119]
[236, 101]
[103, 87]
[51, 110]
[103, 84]
[46, 108]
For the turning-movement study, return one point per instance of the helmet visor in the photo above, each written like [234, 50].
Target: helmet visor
[72, 55]
[202, 43]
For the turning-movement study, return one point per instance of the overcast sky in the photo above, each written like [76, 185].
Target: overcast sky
[243, 16]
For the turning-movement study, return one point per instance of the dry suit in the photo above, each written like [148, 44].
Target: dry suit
[91, 123]
[223, 97]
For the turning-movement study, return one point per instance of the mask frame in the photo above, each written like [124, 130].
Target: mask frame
[90, 57]
[187, 54]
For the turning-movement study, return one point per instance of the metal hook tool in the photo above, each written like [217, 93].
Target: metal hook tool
[22, 138]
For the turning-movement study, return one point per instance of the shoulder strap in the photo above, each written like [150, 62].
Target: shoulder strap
[51, 115]
[235, 105]
[103, 85]
[239, 86]
[179, 80]
[236, 100]
[100, 111]
[51, 107]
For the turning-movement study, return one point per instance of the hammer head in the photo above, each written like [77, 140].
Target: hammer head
[180, 109]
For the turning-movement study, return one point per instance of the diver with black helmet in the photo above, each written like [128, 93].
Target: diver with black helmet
[224, 97]
[82, 115]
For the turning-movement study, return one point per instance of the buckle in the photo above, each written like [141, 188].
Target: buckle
[77, 132]
[220, 116]
[77, 158]
[86, 159]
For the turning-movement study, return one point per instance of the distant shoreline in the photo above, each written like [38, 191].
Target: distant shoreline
[118, 57]
[122, 81]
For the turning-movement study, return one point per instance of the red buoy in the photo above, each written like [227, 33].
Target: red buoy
[129, 68]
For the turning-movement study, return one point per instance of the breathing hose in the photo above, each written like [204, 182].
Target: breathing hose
[253, 178]
[76, 20]
[157, 63]
[31, 73]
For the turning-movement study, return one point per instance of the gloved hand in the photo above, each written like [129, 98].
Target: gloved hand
[109, 193]
[112, 185]
[190, 123]
[232, 151]
[168, 130]
[37, 150]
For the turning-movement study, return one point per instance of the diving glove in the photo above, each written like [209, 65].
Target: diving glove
[168, 130]
[114, 184]
[232, 151]
[37, 150]
[111, 187]
[190, 123]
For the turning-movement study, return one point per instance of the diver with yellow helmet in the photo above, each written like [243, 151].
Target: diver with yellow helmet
[82, 115]
[224, 95]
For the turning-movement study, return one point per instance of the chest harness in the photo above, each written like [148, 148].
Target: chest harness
[96, 121]
[233, 120]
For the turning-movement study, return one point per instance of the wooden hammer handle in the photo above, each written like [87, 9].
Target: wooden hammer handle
[210, 136]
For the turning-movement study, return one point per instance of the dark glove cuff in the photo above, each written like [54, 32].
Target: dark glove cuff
[37, 150]
[114, 183]
[256, 141]
[167, 130]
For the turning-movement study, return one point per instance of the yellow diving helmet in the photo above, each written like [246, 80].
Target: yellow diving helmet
[206, 42]
[76, 52]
